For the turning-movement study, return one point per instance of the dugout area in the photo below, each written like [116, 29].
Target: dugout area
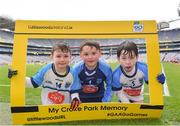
[24, 30]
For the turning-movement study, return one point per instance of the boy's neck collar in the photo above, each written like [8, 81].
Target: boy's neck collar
[91, 69]
[130, 73]
[90, 72]
[59, 73]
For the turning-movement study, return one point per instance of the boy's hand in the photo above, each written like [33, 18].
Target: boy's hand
[75, 103]
[11, 73]
[161, 78]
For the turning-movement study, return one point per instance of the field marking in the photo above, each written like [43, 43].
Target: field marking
[148, 94]
[165, 86]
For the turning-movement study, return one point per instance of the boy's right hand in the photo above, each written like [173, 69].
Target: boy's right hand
[11, 73]
[75, 103]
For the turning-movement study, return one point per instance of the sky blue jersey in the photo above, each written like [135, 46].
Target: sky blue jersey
[52, 82]
[92, 82]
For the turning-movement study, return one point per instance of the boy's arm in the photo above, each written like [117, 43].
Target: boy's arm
[38, 78]
[76, 84]
[30, 83]
[160, 77]
[117, 86]
[144, 68]
[108, 92]
[75, 89]
[122, 97]
[28, 80]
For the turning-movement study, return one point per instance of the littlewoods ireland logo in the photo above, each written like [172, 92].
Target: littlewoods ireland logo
[137, 27]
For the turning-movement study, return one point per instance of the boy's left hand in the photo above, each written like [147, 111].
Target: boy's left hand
[12, 73]
[75, 103]
[161, 78]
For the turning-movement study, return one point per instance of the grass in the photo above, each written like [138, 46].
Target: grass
[172, 104]
[170, 115]
[4, 91]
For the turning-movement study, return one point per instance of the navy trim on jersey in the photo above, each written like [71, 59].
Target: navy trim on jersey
[135, 87]
[116, 89]
[89, 100]
[54, 88]
[90, 72]
[129, 75]
[67, 71]
[34, 83]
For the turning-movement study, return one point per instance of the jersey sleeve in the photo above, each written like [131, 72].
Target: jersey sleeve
[76, 85]
[38, 78]
[108, 73]
[116, 85]
[144, 68]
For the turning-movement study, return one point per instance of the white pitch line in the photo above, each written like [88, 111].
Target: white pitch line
[148, 94]
[165, 86]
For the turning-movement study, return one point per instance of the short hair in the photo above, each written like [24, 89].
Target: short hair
[128, 48]
[63, 47]
[91, 44]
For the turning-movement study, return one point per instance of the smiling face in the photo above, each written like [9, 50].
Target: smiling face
[90, 55]
[61, 59]
[127, 60]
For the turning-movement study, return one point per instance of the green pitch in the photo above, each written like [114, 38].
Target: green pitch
[170, 115]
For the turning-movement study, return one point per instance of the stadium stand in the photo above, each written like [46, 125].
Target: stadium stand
[7, 23]
[39, 49]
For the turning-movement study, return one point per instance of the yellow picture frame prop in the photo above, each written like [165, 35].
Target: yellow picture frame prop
[24, 30]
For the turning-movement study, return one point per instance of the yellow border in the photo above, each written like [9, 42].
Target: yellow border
[22, 114]
[84, 27]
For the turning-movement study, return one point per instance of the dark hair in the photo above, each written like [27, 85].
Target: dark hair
[63, 47]
[91, 44]
[128, 48]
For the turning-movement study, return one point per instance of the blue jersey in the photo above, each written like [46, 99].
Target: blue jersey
[92, 81]
[55, 88]
[131, 85]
